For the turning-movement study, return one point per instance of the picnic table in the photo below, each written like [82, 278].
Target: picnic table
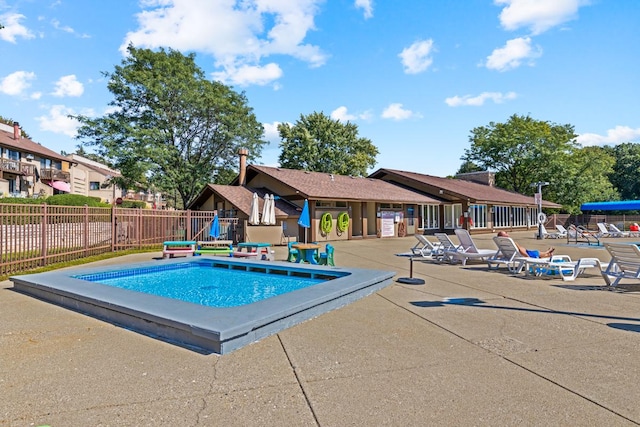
[262, 249]
[178, 247]
[215, 247]
[308, 252]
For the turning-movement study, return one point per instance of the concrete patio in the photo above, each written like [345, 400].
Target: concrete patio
[517, 351]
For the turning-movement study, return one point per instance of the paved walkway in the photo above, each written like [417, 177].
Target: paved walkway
[521, 351]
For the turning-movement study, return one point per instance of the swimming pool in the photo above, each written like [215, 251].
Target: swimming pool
[204, 328]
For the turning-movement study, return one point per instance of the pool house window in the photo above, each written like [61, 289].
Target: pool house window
[501, 216]
[520, 218]
[430, 217]
[452, 213]
[478, 216]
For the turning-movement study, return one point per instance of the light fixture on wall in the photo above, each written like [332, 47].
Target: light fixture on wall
[441, 191]
[29, 157]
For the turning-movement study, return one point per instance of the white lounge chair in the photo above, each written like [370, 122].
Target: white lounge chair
[562, 266]
[447, 247]
[624, 264]
[602, 230]
[468, 249]
[616, 232]
[562, 232]
[424, 247]
[546, 234]
[509, 256]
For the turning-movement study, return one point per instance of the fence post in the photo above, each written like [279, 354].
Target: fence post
[43, 229]
[114, 226]
[86, 230]
[189, 235]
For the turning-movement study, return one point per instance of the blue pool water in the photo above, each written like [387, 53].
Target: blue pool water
[202, 284]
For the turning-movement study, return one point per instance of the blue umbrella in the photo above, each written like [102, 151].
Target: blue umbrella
[215, 228]
[305, 220]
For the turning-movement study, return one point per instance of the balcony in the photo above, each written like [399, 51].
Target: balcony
[17, 167]
[55, 175]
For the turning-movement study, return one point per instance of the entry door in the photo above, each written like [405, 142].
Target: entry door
[411, 219]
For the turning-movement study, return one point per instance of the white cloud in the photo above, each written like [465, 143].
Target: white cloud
[13, 29]
[16, 83]
[271, 133]
[57, 120]
[56, 24]
[341, 114]
[239, 35]
[366, 6]
[68, 86]
[476, 101]
[513, 54]
[249, 74]
[617, 135]
[538, 15]
[397, 112]
[417, 57]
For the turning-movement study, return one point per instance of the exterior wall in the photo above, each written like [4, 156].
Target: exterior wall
[265, 233]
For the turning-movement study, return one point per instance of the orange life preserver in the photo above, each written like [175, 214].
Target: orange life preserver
[461, 221]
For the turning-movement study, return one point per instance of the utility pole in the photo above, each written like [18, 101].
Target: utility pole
[538, 198]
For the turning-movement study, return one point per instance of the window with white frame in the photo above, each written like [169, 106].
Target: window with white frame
[501, 216]
[430, 217]
[452, 215]
[520, 218]
[478, 216]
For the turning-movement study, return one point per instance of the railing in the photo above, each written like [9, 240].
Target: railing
[16, 166]
[55, 175]
[33, 236]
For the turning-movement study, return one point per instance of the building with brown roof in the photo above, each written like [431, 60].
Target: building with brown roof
[27, 168]
[472, 202]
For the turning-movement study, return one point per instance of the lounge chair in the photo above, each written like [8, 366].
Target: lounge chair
[616, 232]
[624, 264]
[602, 230]
[509, 256]
[562, 266]
[468, 249]
[424, 247]
[447, 247]
[562, 232]
[546, 234]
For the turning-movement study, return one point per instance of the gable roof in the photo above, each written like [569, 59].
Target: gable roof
[28, 146]
[325, 186]
[241, 198]
[458, 188]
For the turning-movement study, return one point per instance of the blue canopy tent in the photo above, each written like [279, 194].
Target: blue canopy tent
[620, 205]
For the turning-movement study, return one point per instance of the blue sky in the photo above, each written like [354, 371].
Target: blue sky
[416, 76]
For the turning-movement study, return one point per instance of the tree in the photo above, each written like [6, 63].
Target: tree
[626, 169]
[10, 122]
[169, 126]
[468, 167]
[520, 151]
[320, 144]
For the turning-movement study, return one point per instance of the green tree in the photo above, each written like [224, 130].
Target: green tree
[626, 169]
[320, 144]
[468, 167]
[171, 127]
[10, 122]
[521, 151]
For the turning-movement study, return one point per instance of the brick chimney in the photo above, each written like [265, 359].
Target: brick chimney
[16, 131]
[242, 177]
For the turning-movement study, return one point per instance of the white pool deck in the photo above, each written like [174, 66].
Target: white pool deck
[521, 351]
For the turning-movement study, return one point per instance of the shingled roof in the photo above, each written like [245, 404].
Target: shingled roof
[26, 145]
[457, 188]
[325, 186]
[241, 198]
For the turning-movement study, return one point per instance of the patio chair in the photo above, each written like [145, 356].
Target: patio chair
[447, 247]
[509, 256]
[424, 247]
[293, 253]
[562, 232]
[616, 232]
[326, 257]
[562, 266]
[602, 230]
[468, 249]
[624, 264]
[546, 234]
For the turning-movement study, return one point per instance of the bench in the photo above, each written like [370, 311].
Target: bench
[182, 248]
[253, 255]
[624, 264]
[215, 247]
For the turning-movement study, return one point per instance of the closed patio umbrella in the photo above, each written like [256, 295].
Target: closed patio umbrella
[254, 214]
[272, 210]
[215, 227]
[305, 219]
[265, 209]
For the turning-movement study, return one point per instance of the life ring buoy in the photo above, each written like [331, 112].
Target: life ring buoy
[326, 223]
[542, 218]
[343, 222]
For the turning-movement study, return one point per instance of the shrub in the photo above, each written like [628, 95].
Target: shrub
[21, 201]
[74, 200]
[137, 204]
